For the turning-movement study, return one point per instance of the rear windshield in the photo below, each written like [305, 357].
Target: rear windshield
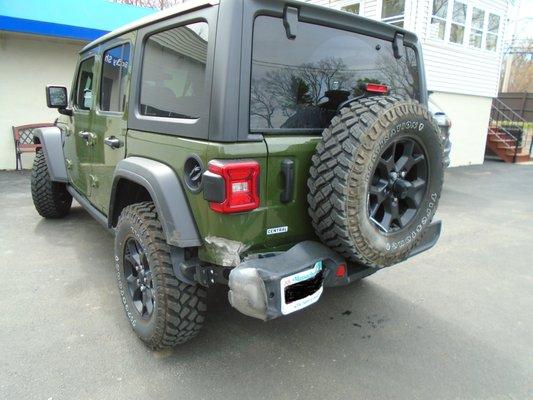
[298, 84]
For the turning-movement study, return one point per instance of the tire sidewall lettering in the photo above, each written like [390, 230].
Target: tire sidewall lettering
[131, 314]
[405, 126]
[425, 220]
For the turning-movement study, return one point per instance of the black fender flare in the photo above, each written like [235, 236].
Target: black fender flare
[168, 195]
[51, 141]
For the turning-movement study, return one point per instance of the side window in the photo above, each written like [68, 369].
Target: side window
[84, 85]
[114, 70]
[173, 72]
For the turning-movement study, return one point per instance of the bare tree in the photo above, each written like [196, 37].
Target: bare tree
[158, 4]
[293, 89]
[519, 68]
[263, 104]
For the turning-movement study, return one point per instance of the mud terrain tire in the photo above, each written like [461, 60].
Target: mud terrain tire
[51, 199]
[177, 308]
[354, 169]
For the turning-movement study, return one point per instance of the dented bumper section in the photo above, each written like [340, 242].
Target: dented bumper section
[267, 287]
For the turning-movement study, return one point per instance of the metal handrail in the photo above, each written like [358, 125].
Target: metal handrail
[505, 115]
[502, 139]
[499, 126]
[501, 103]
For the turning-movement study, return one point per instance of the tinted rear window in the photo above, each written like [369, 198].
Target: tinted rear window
[297, 84]
[173, 74]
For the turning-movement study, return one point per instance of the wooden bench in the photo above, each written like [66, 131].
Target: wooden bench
[23, 136]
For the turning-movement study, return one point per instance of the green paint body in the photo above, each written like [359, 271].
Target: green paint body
[92, 164]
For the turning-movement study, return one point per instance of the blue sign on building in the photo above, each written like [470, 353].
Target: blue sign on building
[73, 19]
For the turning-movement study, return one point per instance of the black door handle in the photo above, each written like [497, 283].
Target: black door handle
[287, 174]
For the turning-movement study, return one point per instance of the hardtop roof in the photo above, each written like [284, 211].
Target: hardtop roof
[150, 19]
[199, 4]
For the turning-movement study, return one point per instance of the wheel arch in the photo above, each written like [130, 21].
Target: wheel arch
[139, 179]
[51, 141]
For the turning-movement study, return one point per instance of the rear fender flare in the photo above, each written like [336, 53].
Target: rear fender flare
[167, 194]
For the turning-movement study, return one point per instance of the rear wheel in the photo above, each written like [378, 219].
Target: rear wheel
[51, 199]
[376, 179]
[162, 311]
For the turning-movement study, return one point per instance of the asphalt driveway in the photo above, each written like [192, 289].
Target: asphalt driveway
[453, 323]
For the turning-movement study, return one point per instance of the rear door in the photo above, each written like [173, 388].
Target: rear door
[297, 85]
[109, 123]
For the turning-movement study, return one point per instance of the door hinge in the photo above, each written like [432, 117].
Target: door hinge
[68, 163]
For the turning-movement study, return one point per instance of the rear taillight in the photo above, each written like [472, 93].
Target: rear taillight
[232, 186]
[376, 88]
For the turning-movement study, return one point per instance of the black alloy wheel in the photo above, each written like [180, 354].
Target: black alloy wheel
[398, 185]
[139, 278]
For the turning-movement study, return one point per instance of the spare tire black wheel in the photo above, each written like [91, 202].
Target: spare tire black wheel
[376, 179]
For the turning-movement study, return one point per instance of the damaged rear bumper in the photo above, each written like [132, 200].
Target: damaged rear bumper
[267, 287]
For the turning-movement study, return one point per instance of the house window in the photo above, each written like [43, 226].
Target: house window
[393, 12]
[449, 23]
[352, 8]
[457, 30]
[492, 34]
[476, 29]
[438, 19]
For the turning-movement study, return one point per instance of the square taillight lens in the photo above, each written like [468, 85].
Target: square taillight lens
[240, 181]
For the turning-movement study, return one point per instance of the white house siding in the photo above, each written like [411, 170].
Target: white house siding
[371, 9]
[463, 80]
[368, 8]
[27, 64]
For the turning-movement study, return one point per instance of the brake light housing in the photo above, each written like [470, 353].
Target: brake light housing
[376, 88]
[232, 186]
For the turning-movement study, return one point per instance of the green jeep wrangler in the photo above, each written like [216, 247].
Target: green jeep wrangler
[274, 146]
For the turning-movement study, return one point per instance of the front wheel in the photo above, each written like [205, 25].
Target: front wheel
[51, 199]
[162, 311]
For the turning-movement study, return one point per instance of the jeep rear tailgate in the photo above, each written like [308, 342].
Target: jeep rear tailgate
[286, 198]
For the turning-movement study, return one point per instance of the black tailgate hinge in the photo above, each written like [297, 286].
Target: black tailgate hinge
[290, 21]
[397, 44]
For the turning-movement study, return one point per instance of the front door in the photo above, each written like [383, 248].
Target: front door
[109, 123]
[78, 137]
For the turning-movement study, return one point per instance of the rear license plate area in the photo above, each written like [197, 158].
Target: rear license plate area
[301, 289]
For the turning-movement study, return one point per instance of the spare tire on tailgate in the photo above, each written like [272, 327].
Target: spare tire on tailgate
[375, 179]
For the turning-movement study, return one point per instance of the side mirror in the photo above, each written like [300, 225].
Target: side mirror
[56, 97]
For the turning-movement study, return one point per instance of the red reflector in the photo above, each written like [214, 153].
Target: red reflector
[376, 88]
[341, 271]
[241, 179]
